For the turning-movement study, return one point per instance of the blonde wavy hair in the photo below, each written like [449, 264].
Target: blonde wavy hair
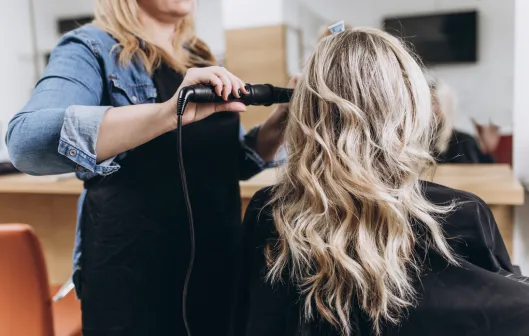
[349, 205]
[120, 19]
[444, 104]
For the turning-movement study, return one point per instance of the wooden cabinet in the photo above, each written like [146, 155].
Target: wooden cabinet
[258, 55]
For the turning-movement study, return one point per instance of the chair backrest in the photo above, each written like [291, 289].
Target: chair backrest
[25, 301]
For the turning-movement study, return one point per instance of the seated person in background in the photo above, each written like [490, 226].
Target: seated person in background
[453, 146]
[351, 241]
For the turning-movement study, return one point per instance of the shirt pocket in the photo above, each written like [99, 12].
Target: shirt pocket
[123, 93]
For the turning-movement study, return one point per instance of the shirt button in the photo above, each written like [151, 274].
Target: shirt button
[134, 99]
[73, 152]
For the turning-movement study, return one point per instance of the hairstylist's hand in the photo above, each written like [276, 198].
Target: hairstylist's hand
[488, 137]
[224, 82]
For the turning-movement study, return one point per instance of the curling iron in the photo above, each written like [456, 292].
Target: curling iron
[258, 95]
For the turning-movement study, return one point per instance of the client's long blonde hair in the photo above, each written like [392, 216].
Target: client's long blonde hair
[120, 19]
[348, 205]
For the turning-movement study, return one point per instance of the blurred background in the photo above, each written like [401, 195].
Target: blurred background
[479, 48]
[469, 44]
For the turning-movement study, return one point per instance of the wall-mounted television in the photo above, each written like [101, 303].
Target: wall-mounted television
[65, 25]
[439, 38]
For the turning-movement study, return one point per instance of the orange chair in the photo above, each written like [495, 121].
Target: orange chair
[26, 308]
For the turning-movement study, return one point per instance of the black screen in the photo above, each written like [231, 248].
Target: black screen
[440, 38]
[67, 24]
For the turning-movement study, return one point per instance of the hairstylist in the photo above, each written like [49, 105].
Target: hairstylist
[105, 108]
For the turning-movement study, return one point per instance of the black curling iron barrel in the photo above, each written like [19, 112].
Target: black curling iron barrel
[258, 95]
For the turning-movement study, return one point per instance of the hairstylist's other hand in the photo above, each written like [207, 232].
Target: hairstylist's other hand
[488, 137]
[270, 136]
[224, 82]
[282, 109]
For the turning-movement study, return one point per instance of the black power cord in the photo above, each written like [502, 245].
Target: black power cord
[180, 108]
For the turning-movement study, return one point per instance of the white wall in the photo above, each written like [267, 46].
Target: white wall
[298, 15]
[210, 27]
[16, 62]
[521, 136]
[251, 13]
[208, 21]
[485, 88]
[48, 14]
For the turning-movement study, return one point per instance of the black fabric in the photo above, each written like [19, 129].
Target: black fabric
[463, 148]
[481, 297]
[136, 234]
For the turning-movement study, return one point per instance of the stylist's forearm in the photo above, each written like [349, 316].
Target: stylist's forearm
[124, 128]
[270, 136]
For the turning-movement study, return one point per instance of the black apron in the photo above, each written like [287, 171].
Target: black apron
[136, 244]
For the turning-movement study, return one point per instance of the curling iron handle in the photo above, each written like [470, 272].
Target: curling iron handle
[258, 94]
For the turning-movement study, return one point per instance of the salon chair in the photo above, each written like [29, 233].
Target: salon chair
[26, 307]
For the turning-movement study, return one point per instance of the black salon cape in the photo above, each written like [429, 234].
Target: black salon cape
[463, 148]
[481, 298]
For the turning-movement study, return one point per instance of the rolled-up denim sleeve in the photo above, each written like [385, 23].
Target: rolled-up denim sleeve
[56, 131]
[78, 138]
[251, 162]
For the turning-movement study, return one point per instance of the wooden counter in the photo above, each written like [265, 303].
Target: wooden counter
[495, 184]
[49, 204]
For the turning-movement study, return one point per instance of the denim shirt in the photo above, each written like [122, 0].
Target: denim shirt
[56, 131]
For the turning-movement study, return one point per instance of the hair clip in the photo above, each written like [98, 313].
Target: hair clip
[338, 27]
